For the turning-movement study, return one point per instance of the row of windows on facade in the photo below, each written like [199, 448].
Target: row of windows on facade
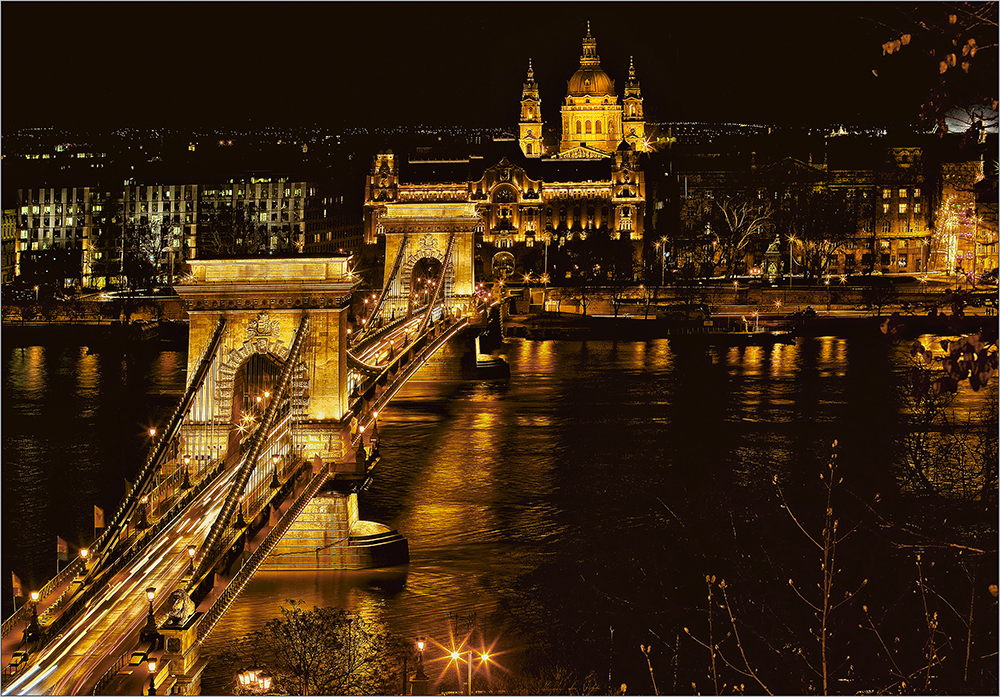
[850, 193]
[506, 242]
[531, 213]
[586, 127]
[156, 193]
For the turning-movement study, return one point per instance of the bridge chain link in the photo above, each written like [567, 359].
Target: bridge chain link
[212, 546]
[236, 585]
[146, 475]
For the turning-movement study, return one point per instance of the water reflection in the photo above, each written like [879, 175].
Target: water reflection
[602, 476]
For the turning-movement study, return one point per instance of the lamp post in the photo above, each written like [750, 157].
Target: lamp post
[791, 240]
[275, 482]
[150, 632]
[36, 295]
[456, 656]
[151, 664]
[33, 631]
[191, 550]
[186, 484]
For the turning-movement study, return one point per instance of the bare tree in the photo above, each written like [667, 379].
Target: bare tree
[737, 222]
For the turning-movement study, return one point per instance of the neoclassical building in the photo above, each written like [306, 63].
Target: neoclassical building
[542, 188]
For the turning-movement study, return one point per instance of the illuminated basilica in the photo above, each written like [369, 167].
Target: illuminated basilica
[543, 188]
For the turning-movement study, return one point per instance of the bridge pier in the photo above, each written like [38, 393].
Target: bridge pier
[330, 535]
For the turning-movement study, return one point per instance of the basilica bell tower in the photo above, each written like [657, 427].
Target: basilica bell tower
[634, 124]
[531, 117]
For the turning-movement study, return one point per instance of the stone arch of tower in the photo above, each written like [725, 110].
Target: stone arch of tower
[428, 246]
[237, 357]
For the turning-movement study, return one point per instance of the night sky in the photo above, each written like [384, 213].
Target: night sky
[186, 65]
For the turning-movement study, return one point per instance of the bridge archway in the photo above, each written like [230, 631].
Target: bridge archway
[264, 301]
[425, 229]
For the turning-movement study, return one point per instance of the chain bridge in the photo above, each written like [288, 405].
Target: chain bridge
[260, 463]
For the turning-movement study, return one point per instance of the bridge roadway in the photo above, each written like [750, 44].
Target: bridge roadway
[110, 626]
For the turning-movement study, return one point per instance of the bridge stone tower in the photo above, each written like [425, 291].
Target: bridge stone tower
[264, 301]
[427, 228]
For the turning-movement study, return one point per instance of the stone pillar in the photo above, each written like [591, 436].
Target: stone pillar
[181, 648]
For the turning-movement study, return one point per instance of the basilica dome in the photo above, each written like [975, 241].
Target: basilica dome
[591, 81]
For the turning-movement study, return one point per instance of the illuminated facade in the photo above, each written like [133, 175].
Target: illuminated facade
[9, 245]
[888, 200]
[174, 222]
[529, 193]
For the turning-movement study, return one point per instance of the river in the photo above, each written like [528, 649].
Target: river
[563, 517]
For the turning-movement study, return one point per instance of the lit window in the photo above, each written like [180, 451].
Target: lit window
[902, 193]
[886, 193]
[916, 193]
[885, 208]
[916, 207]
[886, 226]
[902, 209]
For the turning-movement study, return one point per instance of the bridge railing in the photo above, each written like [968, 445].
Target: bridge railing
[82, 600]
[403, 366]
[246, 572]
[24, 612]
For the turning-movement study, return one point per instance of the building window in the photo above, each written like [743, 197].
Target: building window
[916, 193]
[588, 128]
[902, 209]
[885, 208]
[886, 193]
[916, 208]
[902, 193]
[886, 226]
[529, 149]
[597, 127]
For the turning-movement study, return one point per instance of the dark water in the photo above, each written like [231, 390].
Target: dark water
[593, 491]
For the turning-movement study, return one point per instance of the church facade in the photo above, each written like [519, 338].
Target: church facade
[540, 191]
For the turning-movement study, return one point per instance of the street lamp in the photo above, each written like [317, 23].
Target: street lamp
[151, 664]
[791, 240]
[191, 550]
[152, 431]
[36, 295]
[33, 631]
[150, 618]
[186, 484]
[275, 482]
[456, 656]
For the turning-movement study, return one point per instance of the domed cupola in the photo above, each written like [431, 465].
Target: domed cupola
[590, 80]
[591, 114]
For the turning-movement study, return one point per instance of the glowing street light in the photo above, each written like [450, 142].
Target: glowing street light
[151, 664]
[456, 656]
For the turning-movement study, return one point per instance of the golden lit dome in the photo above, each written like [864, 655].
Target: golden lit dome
[590, 79]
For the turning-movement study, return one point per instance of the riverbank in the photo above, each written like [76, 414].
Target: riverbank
[554, 325]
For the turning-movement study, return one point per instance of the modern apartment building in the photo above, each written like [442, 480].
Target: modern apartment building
[163, 225]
